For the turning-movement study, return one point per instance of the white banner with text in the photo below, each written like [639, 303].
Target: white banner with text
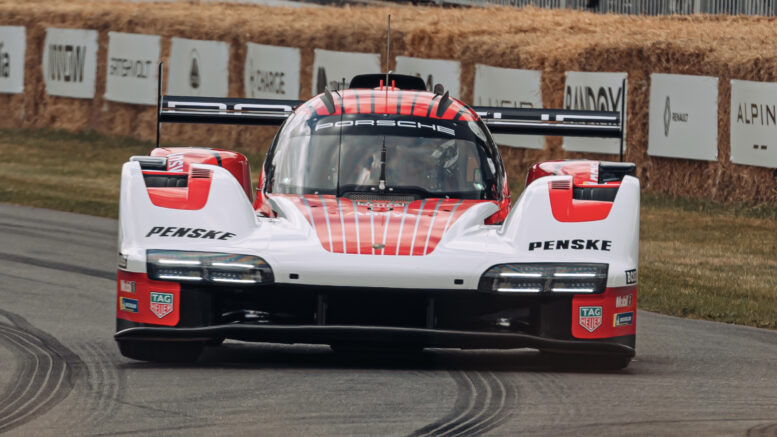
[335, 68]
[271, 72]
[13, 41]
[198, 68]
[584, 91]
[70, 62]
[754, 123]
[683, 116]
[509, 88]
[432, 71]
[132, 70]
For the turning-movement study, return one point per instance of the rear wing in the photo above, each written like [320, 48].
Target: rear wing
[273, 112]
[258, 112]
[525, 121]
[559, 122]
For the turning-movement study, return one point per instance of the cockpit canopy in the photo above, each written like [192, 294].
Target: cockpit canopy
[383, 154]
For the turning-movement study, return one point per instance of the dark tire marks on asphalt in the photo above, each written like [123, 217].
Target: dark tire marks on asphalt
[483, 402]
[46, 373]
[58, 266]
[764, 430]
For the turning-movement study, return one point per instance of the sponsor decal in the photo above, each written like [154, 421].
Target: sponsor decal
[670, 116]
[623, 319]
[623, 301]
[122, 261]
[590, 318]
[578, 244]
[603, 98]
[757, 113]
[175, 162]
[173, 231]
[161, 304]
[123, 67]
[631, 276]
[194, 71]
[263, 81]
[5, 63]
[127, 286]
[128, 305]
[387, 123]
[66, 62]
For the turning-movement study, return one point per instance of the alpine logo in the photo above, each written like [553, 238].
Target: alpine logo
[590, 318]
[161, 304]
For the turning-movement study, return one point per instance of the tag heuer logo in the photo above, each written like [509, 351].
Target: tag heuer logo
[590, 318]
[161, 303]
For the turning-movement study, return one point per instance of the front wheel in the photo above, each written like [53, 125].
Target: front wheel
[161, 351]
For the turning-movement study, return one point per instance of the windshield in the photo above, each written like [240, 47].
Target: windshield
[382, 154]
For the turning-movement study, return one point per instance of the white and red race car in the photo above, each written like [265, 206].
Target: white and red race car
[382, 218]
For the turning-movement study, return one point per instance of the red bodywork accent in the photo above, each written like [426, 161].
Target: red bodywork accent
[567, 209]
[143, 286]
[607, 301]
[192, 197]
[393, 101]
[180, 158]
[583, 172]
[380, 228]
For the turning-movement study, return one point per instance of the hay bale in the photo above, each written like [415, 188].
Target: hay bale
[552, 41]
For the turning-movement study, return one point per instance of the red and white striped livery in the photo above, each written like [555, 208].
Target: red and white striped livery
[381, 218]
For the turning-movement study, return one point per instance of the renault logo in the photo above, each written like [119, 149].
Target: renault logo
[667, 117]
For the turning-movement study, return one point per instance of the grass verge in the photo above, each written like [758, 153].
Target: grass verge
[698, 259]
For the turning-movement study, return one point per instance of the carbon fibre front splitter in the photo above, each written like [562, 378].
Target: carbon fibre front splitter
[334, 334]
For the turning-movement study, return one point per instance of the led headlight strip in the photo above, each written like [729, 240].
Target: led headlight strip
[213, 267]
[535, 278]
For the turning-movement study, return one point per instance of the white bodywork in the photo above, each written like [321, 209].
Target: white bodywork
[290, 246]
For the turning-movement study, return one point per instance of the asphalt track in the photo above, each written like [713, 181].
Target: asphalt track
[61, 373]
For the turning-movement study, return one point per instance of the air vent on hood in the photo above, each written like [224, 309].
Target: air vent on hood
[560, 185]
[367, 197]
[201, 173]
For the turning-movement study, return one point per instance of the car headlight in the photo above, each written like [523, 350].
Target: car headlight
[219, 268]
[545, 278]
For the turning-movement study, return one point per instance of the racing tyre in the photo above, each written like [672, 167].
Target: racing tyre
[161, 351]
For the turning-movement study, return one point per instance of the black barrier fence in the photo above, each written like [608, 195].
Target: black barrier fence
[640, 7]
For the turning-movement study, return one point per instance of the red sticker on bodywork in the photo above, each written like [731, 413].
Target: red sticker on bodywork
[155, 302]
[610, 314]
